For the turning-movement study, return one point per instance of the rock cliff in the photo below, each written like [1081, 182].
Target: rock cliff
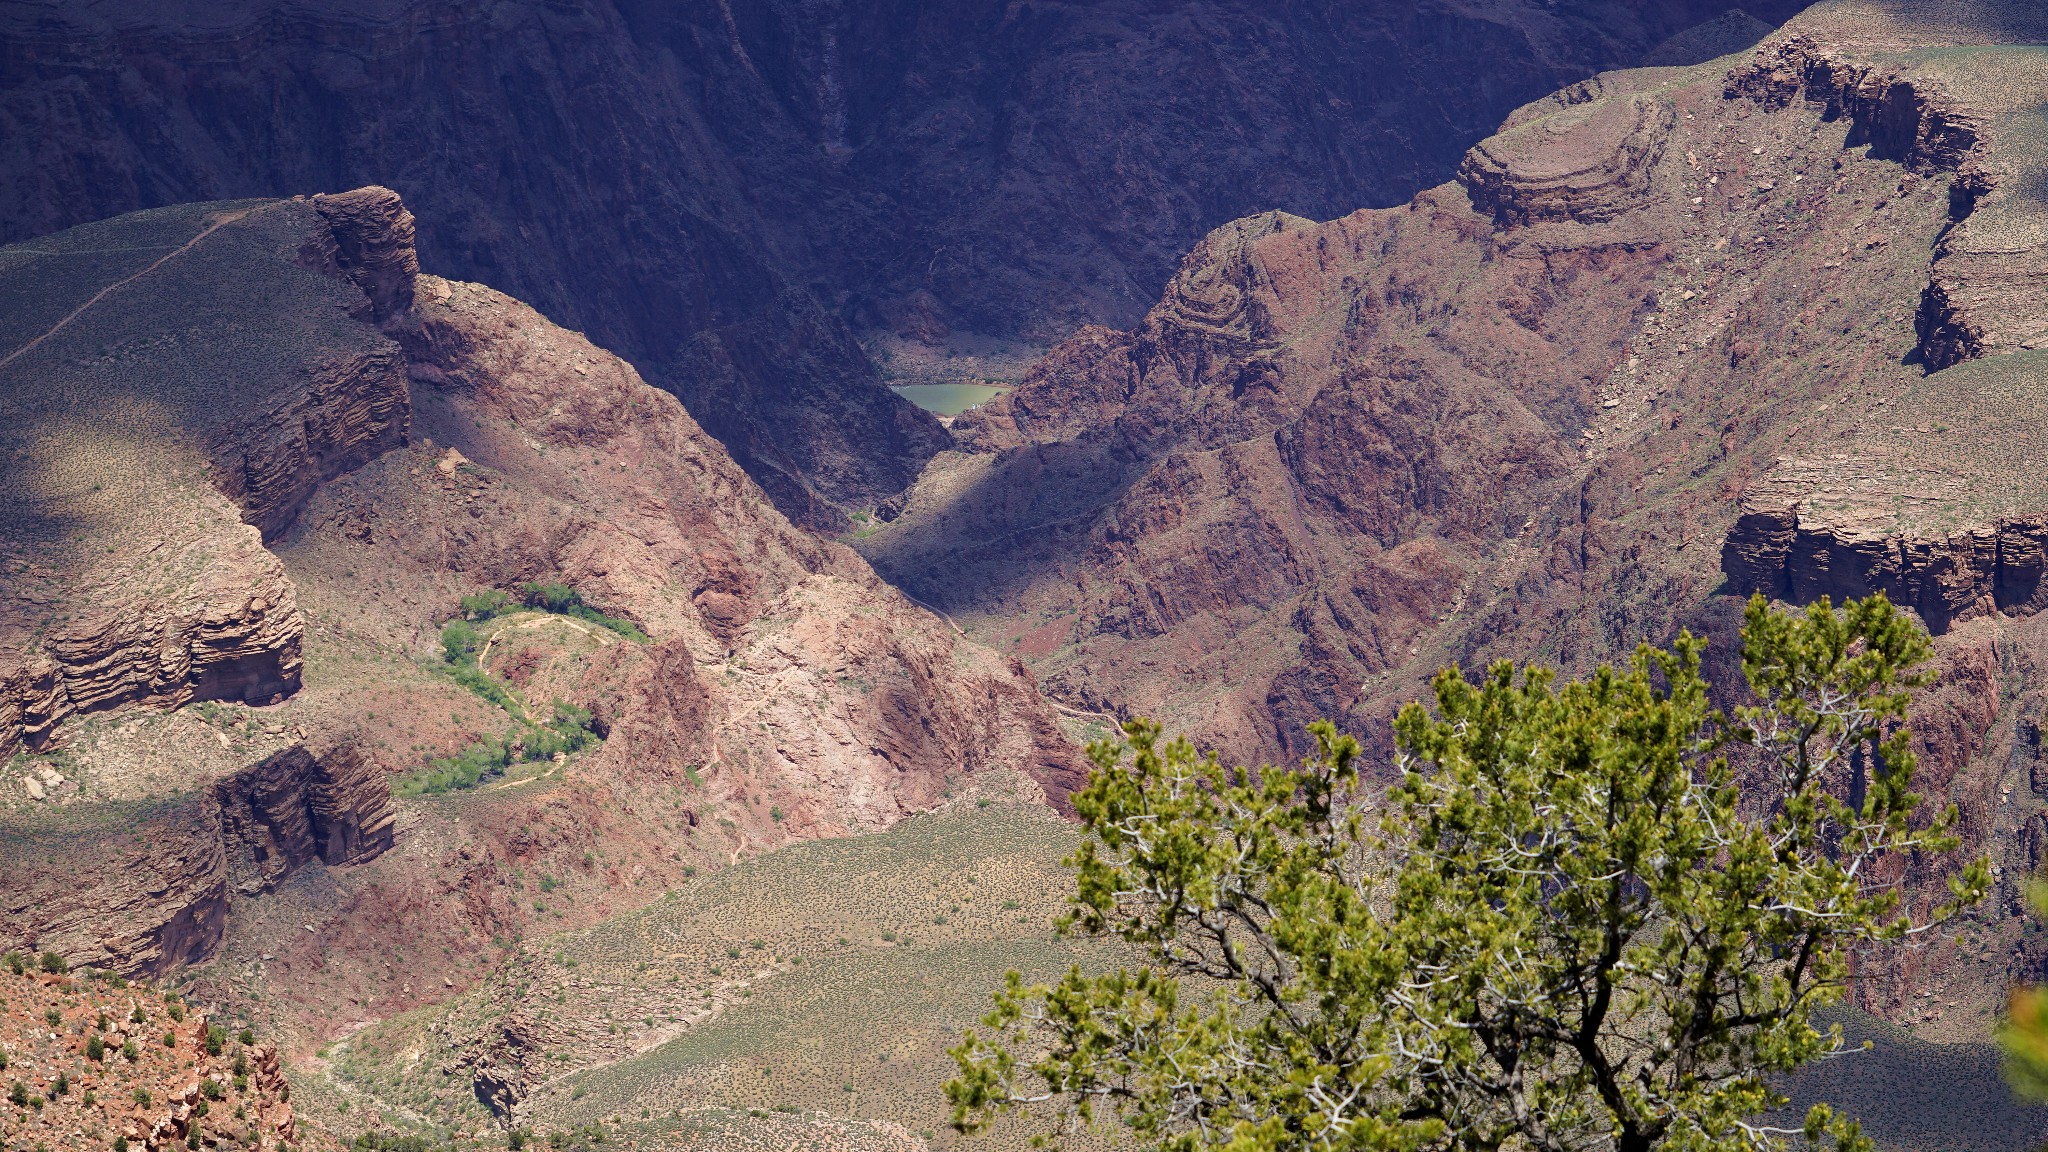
[734, 197]
[1673, 333]
[140, 486]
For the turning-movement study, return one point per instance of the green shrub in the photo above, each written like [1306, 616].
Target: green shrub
[54, 964]
[480, 682]
[18, 1094]
[62, 1086]
[216, 1039]
[16, 963]
[248, 1036]
[567, 732]
[458, 642]
[212, 1089]
[142, 1097]
[95, 1049]
[486, 604]
[563, 600]
[53, 1018]
[130, 1052]
[557, 598]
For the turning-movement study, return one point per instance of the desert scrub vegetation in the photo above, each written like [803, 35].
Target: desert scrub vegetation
[776, 961]
[1593, 914]
[559, 599]
[562, 730]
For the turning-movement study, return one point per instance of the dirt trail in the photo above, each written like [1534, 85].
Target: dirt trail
[219, 222]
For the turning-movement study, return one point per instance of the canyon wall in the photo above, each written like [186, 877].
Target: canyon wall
[735, 197]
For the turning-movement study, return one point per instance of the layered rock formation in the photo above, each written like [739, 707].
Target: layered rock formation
[1942, 511]
[160, 418]
[1674, 333]
[257, 461]
[729, 195]
[141, 884]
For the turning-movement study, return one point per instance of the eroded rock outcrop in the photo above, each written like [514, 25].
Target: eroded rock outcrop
[127, 574]
[208, 617]
[1987, 291]
[144, 885]
[1935, 502]
[1589, 166]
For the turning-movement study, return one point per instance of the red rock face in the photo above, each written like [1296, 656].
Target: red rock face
[1519, 401]
[1673, 335]
[728, 194]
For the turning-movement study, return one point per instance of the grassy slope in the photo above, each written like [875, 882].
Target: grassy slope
[666, 1037]
[858, 962]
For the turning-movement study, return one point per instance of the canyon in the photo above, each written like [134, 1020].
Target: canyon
[743, 200]
[1671, 335]
[1555, 376]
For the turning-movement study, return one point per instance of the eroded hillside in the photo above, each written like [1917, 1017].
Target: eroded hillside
[255, 463]
[1783, 300]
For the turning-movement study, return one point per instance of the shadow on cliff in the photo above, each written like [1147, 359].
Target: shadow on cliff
[1030, 510]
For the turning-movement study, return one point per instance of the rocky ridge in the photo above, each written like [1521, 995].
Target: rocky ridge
[762, 686]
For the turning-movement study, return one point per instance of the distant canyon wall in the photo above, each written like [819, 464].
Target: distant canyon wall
[731, 195]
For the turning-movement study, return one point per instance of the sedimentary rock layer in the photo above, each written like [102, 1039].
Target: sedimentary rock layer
[130, 573]
[142, 887]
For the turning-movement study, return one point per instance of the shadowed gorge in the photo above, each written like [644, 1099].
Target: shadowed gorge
[736, 197]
